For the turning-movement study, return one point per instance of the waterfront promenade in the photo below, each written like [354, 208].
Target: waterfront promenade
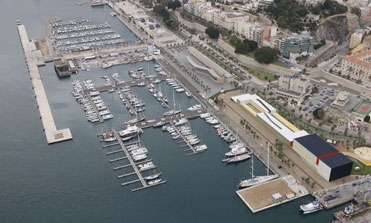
[32, 56]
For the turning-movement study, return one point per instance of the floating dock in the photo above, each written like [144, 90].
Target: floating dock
[123, 84]
[185, 140]
[168, 119]
[132, 164]
[259, 198]
[33, 56]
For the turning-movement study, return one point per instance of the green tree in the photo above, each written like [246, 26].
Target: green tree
[288, 14]
[212, 32]
[367, 118]
[162, 11]
[171, 23]
[174, 4]
[266, 55]
[319, 113]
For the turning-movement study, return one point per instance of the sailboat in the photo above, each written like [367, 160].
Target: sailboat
[173, 111]
[256, 180]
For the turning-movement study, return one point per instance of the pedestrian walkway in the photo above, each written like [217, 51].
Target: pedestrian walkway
[32, 61]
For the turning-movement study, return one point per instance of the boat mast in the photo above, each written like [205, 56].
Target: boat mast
[268, 159]
[252, 166]
[174, 101]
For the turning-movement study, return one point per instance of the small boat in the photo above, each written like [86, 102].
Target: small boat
[159, 124]
[107, 116]
[146, 166]
[237, 159]
[237, 151]
[164, 128]
[109, 137]
[176, 136]
[155, 181]
[188, 94]
[194, 107]
[139, 157]
[181, 121]
[213, 122]
[124, 139]
[141, 150]
[200, 148]
[141, 84]
[205, 115]
[311, 207]
[152, 177]
[130, 131]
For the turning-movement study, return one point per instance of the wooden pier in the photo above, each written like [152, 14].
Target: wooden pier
[185, 140]
[129, 165]
[134, 166]
[131, 107]
[122, 84]
[94, 106]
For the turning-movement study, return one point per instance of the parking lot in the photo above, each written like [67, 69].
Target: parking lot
[323, 98]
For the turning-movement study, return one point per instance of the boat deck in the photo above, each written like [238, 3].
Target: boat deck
[32, 56]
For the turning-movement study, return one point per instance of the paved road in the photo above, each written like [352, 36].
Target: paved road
[261, 153]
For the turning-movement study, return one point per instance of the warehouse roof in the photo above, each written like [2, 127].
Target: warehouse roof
[336, 160]
[316, 145]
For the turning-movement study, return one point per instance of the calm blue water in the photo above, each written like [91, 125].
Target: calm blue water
[73, 181]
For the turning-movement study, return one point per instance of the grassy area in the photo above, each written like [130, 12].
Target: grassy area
[262, 75]
[364, 169]
[279, 64]
[219, 93]
[216, 60]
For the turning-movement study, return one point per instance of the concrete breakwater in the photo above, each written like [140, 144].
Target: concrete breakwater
[32, 56]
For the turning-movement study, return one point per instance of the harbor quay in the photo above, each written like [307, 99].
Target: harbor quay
[97, 52]
[33, 61]
[272, 193]
[353, 191]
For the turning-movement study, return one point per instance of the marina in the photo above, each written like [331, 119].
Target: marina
[80, 35]
[132, 167]
[134, 164]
